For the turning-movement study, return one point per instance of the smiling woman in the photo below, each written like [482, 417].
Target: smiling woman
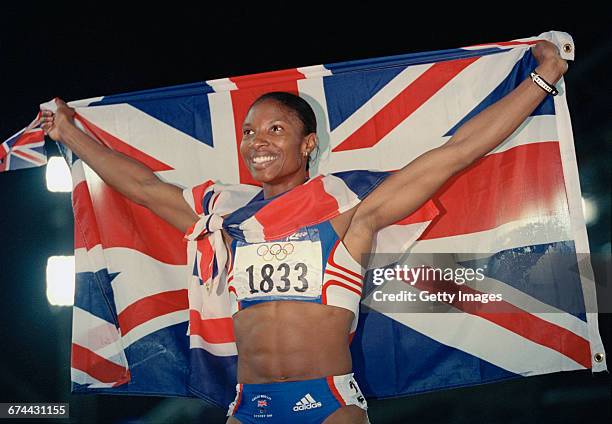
[293, 316]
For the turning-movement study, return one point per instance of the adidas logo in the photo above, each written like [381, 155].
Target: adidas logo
[307, 402]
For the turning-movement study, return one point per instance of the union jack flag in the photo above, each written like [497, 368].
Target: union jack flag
[516, 207]
[25, 149]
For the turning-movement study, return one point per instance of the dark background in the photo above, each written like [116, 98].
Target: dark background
[81, 51]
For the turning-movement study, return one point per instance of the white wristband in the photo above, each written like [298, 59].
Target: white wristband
[550, 89]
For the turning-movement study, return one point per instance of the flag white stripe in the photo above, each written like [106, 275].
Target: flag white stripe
[424, 129]
[153, 325]
[98, 335]
[314, 71]
[535, 129]
[375, 104]
[527, 358]
[471, 334]
[133, 265]
[81, 377]
[217, 349]
[222, 84]
[514, 234]
[337, 188]
[578, 226]
[89, 261]
[30, 155]
[524, 301]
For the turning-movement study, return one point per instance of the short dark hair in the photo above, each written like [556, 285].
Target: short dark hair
[297, 105]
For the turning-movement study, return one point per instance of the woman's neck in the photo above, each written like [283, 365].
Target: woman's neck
[279, 187]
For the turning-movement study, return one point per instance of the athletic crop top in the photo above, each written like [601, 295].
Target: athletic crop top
[311, 265]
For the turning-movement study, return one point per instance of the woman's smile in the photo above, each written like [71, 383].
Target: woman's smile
[263, 160]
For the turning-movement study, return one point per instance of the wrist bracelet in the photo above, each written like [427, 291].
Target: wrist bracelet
[540, 82]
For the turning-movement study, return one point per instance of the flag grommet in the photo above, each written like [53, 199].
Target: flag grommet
[567, 48]
[598, 357]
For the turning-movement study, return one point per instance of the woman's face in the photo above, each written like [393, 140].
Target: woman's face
[272, 141]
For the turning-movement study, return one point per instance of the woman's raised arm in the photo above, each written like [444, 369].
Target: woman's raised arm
[407, 189]
[129, 177]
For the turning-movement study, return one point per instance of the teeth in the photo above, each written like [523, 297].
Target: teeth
[262, 159]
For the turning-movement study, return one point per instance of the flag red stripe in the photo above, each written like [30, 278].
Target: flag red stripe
[507, 43]
[404, 104]
[501, 188]
[26, 156]
[98, 367]
[107, 217]
[198, 193]
[4, 149]
[213, 330]
[544, 333]
[515, 319]
[427, 212]
[86, 234]
[34, 136]
[315, 195]
[151, 307]
[267, 78]
[205, 250]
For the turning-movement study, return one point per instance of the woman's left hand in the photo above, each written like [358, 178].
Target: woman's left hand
[546, 52]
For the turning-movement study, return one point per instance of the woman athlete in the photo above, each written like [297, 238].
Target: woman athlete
[285, 362]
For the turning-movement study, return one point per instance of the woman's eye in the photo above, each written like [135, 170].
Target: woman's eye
[276, 127]
[246, 132]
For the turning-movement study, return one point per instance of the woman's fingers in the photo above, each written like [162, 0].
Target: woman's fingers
[46, 115]
[50, 125]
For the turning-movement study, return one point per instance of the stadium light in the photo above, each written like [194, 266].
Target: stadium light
[60, 280]
[589, 207]
[58, 175]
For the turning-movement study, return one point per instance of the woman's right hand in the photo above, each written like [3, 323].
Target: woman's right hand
[53, 124]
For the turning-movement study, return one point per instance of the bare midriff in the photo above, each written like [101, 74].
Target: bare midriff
[291, 340]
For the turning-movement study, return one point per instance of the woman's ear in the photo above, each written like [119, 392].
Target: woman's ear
[311, 142]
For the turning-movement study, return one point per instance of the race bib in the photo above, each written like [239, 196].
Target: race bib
[285, 269]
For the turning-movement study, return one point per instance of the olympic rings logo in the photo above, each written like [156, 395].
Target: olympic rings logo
[276, 251]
